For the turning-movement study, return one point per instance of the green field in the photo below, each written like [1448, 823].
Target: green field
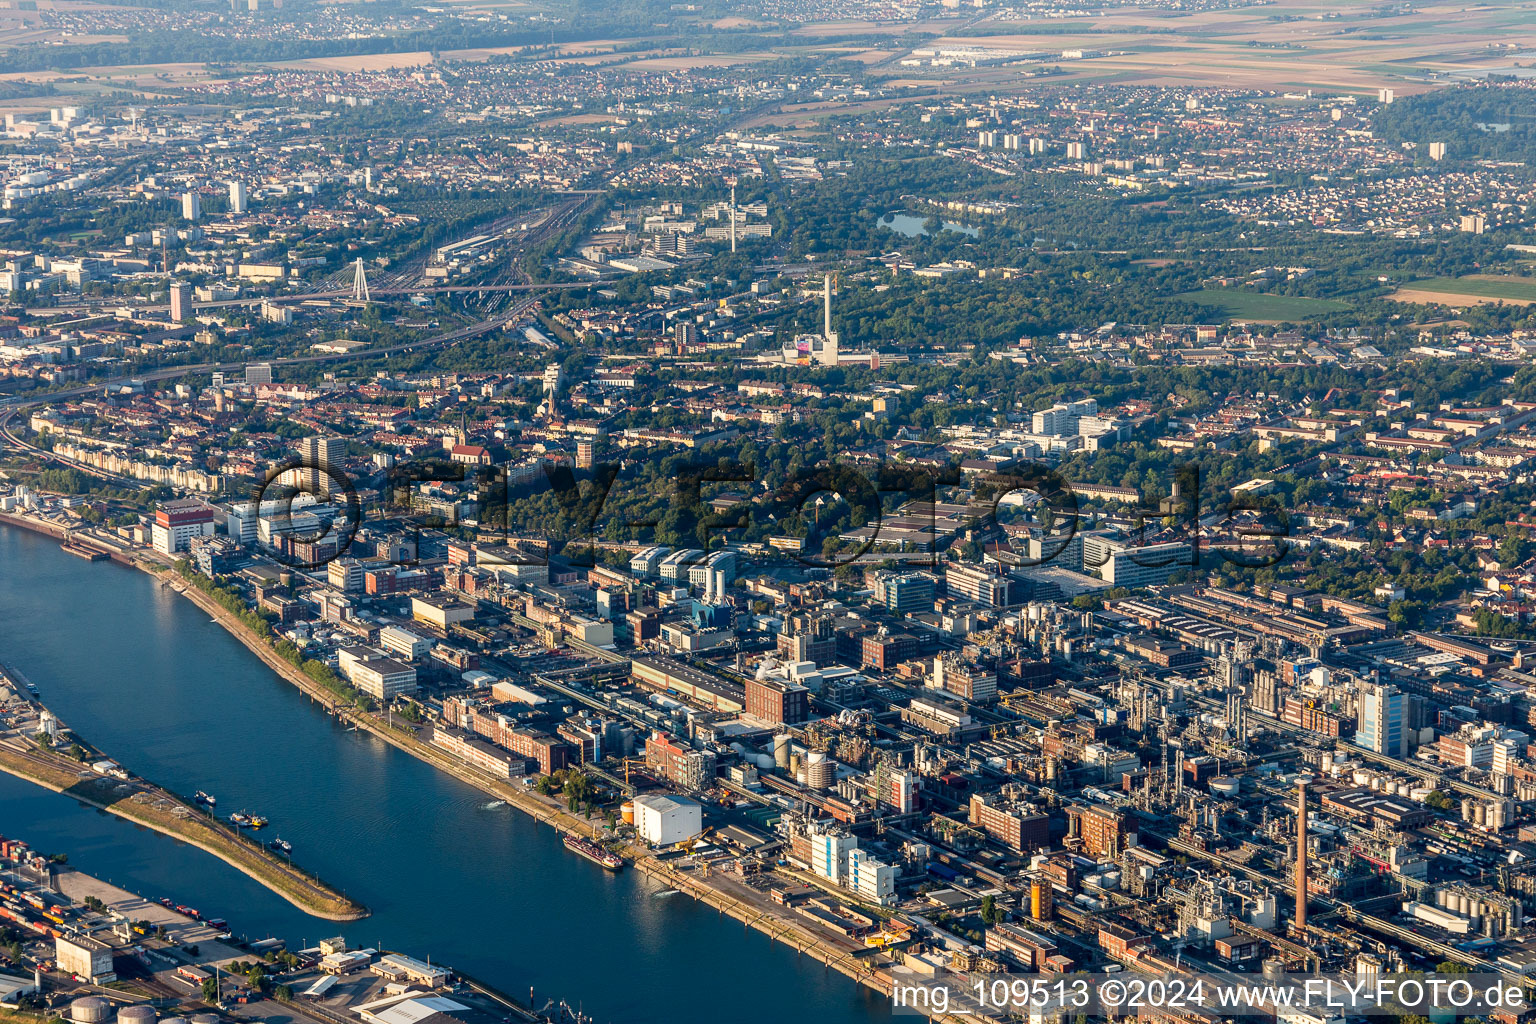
[1240, 304]
[1487, 288]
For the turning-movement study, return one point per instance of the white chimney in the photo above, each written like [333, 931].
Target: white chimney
[826, 296]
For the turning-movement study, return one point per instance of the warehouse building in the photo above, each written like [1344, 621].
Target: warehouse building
[664, 820]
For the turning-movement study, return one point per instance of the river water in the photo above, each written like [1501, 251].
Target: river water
[139, 671]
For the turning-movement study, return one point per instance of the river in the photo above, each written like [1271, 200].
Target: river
[142, 673]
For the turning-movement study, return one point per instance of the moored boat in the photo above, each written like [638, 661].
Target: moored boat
[594, 853]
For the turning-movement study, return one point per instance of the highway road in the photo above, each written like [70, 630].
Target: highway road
[509, 279]
[337, 293]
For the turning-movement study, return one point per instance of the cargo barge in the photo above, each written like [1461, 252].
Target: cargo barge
[594, 853]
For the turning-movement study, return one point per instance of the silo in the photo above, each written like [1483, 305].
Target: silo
[1226, 785]
[818, 770]
[1042, 900]
[781, 750]
[627, 812]
[89, 1010]
[140, 1014]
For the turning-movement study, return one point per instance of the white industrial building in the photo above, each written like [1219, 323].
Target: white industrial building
[84, 957]
[379, 677]
[403, 642]
[665, 820]
[829, 854]
[871, 878]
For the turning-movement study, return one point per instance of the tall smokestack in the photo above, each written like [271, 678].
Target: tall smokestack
[826, 296]
[1301, 857]
[733, 218]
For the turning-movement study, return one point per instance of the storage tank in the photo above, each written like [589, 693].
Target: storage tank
[1041, 900]
[1274, 968]
[205, 1018]
[781, 750]
[1419, 794]
[1361, 778]
[1226, 785]
[1327, 762]
[818, 770]
[89, 1010]
[140, 1014]
[627, 812]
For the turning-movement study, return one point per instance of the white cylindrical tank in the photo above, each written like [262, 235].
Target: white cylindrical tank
[89, 1010]
[781, 750]
[1226, 785]
[818, 770]
[141, 1014]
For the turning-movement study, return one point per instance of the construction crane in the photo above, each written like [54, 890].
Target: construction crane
[638, 762]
